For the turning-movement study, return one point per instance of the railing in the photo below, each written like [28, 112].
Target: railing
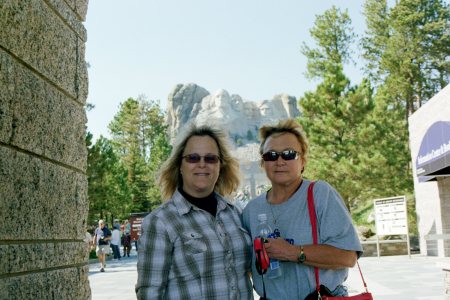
[436, 236]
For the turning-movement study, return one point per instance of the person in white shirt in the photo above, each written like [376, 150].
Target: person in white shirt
[88, 241]
[115, 242]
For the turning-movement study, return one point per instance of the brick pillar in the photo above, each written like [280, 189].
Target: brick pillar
[43, 184]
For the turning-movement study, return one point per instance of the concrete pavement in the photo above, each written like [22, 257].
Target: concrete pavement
[400, 277]
[387, 277]
[117, 282]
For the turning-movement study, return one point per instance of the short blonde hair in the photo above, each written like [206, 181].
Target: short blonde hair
[229, 176]
[284, 126]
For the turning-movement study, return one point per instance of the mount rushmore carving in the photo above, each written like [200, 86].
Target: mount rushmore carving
[190, 102]
[242, 119]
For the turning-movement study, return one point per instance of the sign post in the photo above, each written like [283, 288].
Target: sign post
[135, 221]
[391, 218]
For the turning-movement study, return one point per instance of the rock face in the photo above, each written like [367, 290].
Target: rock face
[191, 102]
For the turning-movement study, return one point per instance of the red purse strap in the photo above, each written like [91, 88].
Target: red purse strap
[313, 219]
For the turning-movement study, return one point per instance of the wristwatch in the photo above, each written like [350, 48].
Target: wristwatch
[301, 257]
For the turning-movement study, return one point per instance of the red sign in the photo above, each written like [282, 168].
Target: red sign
[135, 221]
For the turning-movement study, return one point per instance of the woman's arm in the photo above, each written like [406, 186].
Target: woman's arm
[154, 260]
[321, 256]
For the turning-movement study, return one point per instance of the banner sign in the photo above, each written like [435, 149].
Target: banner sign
[434, 152]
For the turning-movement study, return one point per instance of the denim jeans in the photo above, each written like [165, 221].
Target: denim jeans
[116, 251]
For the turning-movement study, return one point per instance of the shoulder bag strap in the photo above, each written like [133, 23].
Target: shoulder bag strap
[362, 277]
[313, 219]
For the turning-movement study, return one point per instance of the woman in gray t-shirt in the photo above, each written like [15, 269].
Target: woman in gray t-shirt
[283, 156]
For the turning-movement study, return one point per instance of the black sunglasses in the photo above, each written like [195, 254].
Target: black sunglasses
[195, 158]
[286, 155]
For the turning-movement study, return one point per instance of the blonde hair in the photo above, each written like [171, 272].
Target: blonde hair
[284, 126]
[229, 176]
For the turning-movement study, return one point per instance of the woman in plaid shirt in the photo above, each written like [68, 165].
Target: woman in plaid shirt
[194, 246]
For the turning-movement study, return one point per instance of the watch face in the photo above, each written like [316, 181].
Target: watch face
[301, 257]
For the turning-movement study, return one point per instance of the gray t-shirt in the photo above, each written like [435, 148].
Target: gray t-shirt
[335, 229]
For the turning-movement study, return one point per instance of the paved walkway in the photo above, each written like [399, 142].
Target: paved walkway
[388, 278]
[117, 282]
[400, 277]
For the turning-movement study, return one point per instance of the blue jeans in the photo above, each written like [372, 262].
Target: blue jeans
[116, 251]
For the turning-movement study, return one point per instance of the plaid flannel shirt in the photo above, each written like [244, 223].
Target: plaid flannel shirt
[185, 253]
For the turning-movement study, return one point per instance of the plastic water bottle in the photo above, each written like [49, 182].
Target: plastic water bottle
[265, 231]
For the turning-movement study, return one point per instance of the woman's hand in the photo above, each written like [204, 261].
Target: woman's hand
[279, 249]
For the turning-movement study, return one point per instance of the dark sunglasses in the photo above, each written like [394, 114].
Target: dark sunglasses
[195, 158]
[286, 155]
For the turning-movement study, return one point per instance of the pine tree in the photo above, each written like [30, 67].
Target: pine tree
[407, 49]
[335, 113]
[108, 192]
[140, 137]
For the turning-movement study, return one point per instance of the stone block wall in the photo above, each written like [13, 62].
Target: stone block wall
[387, 248]
[43, 183]
[446, 284]
[444, 194]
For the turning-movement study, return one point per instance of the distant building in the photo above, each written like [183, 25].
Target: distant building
[429, 136]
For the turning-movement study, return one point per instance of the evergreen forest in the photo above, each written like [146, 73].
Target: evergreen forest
[357, 132]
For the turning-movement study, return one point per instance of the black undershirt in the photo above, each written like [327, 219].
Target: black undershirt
[208, 203]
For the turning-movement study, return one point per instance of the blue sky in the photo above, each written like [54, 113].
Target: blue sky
[250, 48]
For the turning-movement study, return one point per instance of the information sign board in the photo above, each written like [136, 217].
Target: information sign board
[391, 216]
[136, 221]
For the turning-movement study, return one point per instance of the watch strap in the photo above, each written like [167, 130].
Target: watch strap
[301, 257]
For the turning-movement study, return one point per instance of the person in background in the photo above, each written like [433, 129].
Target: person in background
[136, 245]
[88, 241]
[116, 224]
[126, 239]
[122, 233]
[102, 236]
[284, 150]
[115, 241]
[194, 246]
[127, 227]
